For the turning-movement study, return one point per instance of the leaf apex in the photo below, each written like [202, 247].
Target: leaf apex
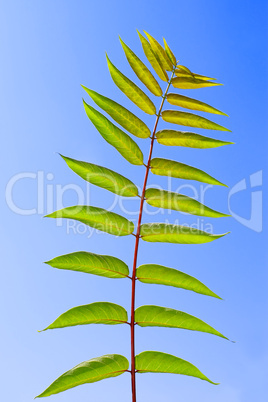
[140, 35]
[62, 156]
[49, 215]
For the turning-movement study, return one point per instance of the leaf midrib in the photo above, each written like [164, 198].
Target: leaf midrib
[94, 377]
[109, 224]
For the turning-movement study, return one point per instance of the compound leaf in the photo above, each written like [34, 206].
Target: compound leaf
[168, 233]
[120, 114]
[169, 53]
[153, 59]
[114, 136]
[89, 263]
[156, 316]
[103, 177]
[160, 52]
[167, 167]
[158, 362]
[94, 313]
[160, 275]
[188, 82]
[192, 104]
[142, 72]
[89, 371]
[187, 139]
[179, 202]
[190, 120]
[97, 218]
[131, 90]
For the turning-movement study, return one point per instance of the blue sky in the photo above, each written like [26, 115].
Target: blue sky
[48, 49]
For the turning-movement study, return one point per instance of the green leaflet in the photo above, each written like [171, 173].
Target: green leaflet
[158, 362]
[190, 103]
[94, 313]
[97, 218]
[168, 233]
[131, 90]
[160, 52]
[187, 139]
[160, 275]
[89, 263]
[192, 83]
[156, 316]
[103, 177]
[114, 136]
[142, 72]
[89, 371]
[120, 114]
[169, 53]
[179, 202]
[167, 167]
[190, 120]
[153, 59]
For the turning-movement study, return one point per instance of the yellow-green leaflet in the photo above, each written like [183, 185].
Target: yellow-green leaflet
[120, 114]
[159, 362]
[115, 136]
[92, 370]
[156, 316]
[203, 77]
[131, 90]
[153, 59]
[179, 202]
[192, 83]
[193, 104]
[169, 53]
[94, 313]
[168, 233]
[142, 72]
[160, 275]
[186, 139]
[183, 71]
[167, 167]
[190, 120]
[89, 263]
[103, 177]
[160, 52]
[97, 218]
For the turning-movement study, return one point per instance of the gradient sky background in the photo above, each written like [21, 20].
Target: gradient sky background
[48, 48]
